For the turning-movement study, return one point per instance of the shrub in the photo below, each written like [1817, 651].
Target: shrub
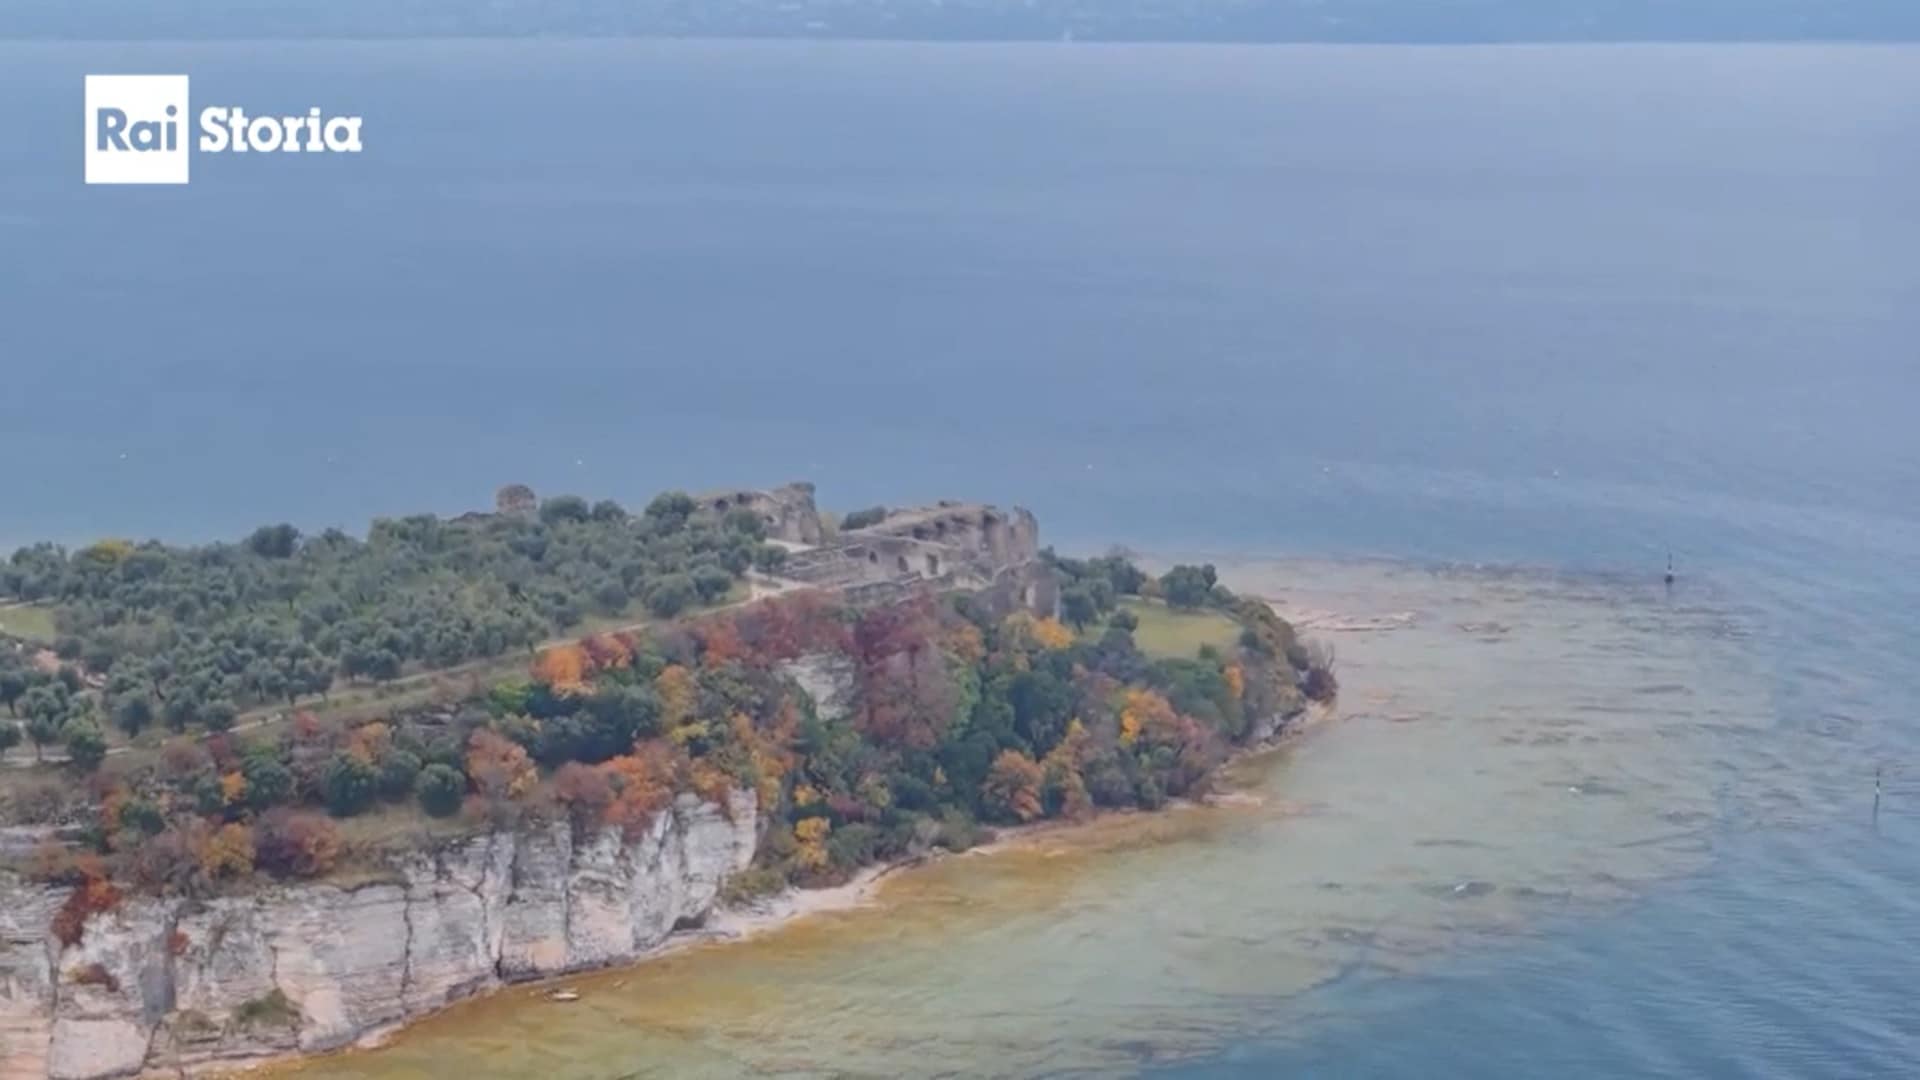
[271, 1008]
[295, 843]
[1320, 683]
[94, 895]
[853, 845]
[95, 974]
[228, 853]
[861, 519]
[751, 884]
[958, 832]
[440, 788]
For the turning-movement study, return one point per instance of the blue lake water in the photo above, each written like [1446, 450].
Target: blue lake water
[1565, 307]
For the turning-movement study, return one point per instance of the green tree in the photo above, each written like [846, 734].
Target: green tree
[671, 595]
[398, 772]
[565, 509]
[274, 541]
[671, 510]
[13, 683]
[46, 708]
[86, 745]
[712, 583]
[133, 714]
[350, 785]
[1077, 606]
[269, 783]
[219, 715]
[1189, 586]
[440, 789]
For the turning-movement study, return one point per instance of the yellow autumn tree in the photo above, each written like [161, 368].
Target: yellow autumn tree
[1051, 634]
[811, 837]
[679, 699]
[228, 853]
[966, 644]
[370, 742]
[1236, 678]
[1139, 709]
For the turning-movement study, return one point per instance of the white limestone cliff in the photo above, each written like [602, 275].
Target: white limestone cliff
[174, 984]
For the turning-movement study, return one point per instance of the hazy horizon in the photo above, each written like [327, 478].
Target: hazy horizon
[1374, 21]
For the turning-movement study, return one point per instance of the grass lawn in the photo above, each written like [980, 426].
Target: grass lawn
[28, 622]
[1166, 634]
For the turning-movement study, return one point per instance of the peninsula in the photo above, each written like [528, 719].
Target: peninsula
[281, 795]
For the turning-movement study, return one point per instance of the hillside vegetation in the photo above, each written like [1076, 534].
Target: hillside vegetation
[152, 634]
[941, 716]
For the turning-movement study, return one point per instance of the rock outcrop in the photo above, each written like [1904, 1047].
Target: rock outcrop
[174, 984]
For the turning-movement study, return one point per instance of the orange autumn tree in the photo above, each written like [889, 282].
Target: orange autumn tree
[643, 784]
[500, 769]
[720, 642]
[563, 667]
[607, 652]
[1012, 787]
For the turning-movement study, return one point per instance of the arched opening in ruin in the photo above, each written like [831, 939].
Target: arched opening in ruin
[933, 565]
[901, 562]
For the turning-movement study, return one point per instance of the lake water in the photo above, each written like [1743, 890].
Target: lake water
[1514, 322]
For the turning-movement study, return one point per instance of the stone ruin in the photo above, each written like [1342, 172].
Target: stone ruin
[788, 511]
[949, 546]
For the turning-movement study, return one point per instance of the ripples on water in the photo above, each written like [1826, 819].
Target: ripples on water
[1512, 747]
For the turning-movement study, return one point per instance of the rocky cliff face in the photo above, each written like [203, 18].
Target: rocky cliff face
[170, 984]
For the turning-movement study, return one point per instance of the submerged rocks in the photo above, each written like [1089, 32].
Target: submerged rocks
[171, 983]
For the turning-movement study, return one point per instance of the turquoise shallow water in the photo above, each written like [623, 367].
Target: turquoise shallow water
[1539, 315]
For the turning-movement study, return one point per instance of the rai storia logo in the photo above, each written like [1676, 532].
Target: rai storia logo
[137, 130]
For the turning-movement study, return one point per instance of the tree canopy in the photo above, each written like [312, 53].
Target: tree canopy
[188, 635]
